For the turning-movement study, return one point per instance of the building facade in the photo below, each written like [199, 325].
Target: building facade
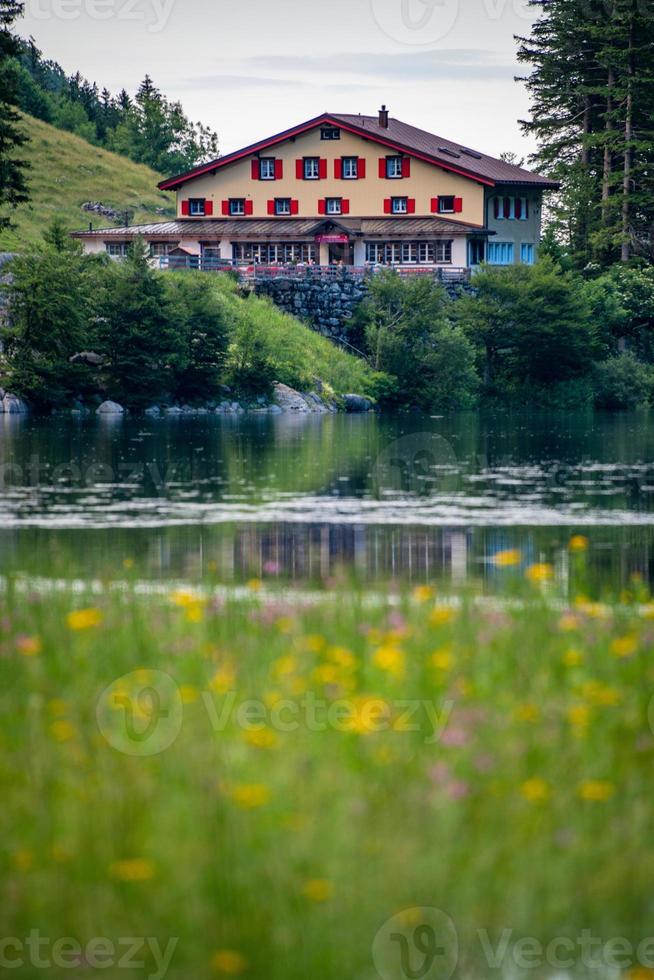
[346, 189]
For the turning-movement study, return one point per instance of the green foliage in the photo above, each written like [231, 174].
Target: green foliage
[623, 382]
[634, 289]
[202, 330]
[410, 338]
[530, 325]
[13, 183]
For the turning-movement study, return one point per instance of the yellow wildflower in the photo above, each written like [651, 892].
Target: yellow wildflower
[194, 613]
[57, 706]
[188, 693]
[578, 543]
[29, 646]
[423, 593]
[250, 796]
[133, 869]
[261, 738]
[341, 656]
[527, 712]
[367, 715]
[573, 658]
[624, 646]
[326, 674]
[318, 890]
[647, 611]
[315, 643]
[183, 598]
[507, 559]
[255, 585]
[285, 624]
[442, 615]
[443, 659]
[596, 790]
[230, 962]
[391, 660]
[579, 716]
[535, 790]
[594, 610]
[62, 730]
[224, 679]
[540, 572]
[23, 859]
[128, 563]
[285, 665]
[84, 619]
[600, 694]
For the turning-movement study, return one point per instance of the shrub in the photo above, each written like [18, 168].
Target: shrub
[622, 382]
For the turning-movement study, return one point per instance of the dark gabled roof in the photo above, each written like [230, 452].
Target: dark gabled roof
[271, 228]
[400, 137]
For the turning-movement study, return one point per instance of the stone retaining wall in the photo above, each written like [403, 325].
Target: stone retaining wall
[327, 302]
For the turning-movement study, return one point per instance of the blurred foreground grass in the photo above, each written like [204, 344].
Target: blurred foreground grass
[269, 782]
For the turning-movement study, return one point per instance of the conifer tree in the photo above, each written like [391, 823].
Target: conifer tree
[13, 185]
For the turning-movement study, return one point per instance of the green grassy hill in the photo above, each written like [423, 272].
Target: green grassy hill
[66, 171]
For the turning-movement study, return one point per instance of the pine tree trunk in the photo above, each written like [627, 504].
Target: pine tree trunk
[607, 171]
[628, 152]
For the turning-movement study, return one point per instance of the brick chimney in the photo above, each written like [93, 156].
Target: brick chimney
[383, 117]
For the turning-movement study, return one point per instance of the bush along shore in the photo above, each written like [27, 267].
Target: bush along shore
[85, 334]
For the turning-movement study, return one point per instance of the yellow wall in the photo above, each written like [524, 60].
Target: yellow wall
[366, 196]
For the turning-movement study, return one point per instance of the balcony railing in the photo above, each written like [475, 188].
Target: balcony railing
[251, 272]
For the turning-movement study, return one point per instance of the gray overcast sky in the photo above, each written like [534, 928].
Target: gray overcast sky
[250, 68]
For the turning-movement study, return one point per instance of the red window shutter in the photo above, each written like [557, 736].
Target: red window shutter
[279, 169]
[434, 205]
[323, 170]
[345, 206]
[411, 206]
[225, 207]
[458, 205]
[338, 169]
[186, 208]
[518, 207]
[507, 207]
[496, 207]
[382, 168]
[208, 208]
[299, 169]
[406, 167]
[255, 169]
[271, 207]
[388, 206]
[295, 207]
[249, 207]
[322, 206]
[361, 170]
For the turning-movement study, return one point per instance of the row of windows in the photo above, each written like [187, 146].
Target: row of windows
[345, 168]
[503, 253]
[238, 207]
[408, 253]
[511, 208]
[287, 252]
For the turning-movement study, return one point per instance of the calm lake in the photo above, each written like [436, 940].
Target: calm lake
[314, 500]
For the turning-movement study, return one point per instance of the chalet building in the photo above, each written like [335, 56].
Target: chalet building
[347, 189]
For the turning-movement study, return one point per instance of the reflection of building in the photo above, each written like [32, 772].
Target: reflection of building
[347, 189]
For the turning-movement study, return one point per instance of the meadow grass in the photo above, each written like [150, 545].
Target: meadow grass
[269, 780]
[65, 171]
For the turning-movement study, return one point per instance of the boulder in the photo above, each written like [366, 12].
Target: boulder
[13, 405]
[110, 408]
[358, 403]
[290, 400]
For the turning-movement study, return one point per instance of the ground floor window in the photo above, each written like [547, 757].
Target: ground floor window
[500, 253]
[409, 253]
[527, 253]
[476, 251]
[117, 250]
[158, 249]
[287, 253]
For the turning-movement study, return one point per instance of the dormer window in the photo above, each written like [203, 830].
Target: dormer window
[330, 133]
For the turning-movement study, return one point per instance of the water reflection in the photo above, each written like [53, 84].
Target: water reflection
[318, 498]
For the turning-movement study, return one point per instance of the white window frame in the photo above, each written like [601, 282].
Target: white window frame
[334, 205]
[394, 168]
[312, 168]
[267, 164]
[281, 211]
[441, 200]
[159, 249]
[350, 168]
[443, 251]
[196, 207]
[399, 205]
[330, 133]
[234, 203]
[116, 250]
